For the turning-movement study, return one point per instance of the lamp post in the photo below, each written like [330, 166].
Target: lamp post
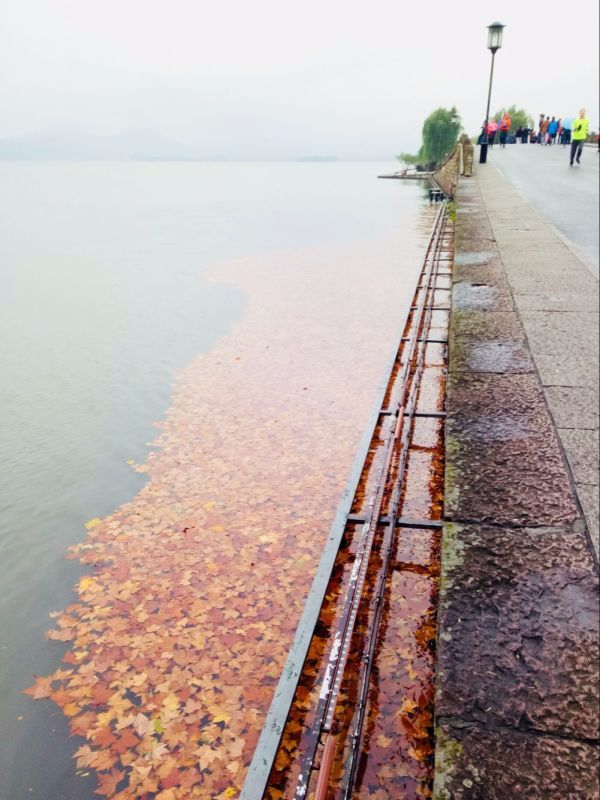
[494, 43]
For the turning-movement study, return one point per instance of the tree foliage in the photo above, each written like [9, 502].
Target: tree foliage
[519, 117]
[439, 135]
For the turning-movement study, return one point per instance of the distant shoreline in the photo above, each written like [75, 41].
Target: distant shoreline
[187, 160]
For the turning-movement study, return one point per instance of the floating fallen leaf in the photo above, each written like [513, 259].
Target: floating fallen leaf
[383, 740]
[108, 783]
[42, 687]
[141, 724]
[196, 585]
[158, 726]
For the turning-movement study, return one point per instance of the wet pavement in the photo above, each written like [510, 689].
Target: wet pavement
[566, 197]
[556, 299]
[517, 680]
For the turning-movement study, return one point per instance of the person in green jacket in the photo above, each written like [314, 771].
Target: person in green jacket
[578, 136]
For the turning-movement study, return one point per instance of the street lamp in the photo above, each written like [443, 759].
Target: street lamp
[494, 43]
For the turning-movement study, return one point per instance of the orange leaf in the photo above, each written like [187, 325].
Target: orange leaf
[103, 738]
[102, 760]
[101, 695]
[127, 741]
[41, 688]
[170, 780]
[108, 782]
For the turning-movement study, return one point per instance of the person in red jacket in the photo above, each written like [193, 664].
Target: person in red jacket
[491, 129]
[505, 124]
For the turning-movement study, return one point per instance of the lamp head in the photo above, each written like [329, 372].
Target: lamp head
[495, 36]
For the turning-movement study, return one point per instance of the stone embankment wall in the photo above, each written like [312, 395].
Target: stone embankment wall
[459, 162]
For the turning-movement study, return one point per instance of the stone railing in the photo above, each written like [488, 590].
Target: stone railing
[459, 162]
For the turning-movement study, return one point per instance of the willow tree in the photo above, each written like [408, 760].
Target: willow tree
[439, 135]
[519, 117]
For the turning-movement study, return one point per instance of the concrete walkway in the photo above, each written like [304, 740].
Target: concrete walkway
[566, 197]
[517, 670]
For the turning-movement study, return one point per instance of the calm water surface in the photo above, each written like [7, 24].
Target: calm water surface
[104, 295]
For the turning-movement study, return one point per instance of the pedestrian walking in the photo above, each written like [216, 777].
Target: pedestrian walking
[580, 132]
[544, 130]
[540, 123]
[567, 126]
[492, 127]
[552, 130]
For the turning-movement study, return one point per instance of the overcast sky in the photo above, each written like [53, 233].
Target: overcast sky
[270, 78]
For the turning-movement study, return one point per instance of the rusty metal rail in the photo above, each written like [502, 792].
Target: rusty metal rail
[408, 413]
[401, 388]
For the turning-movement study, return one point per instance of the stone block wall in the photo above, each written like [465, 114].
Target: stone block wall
[459, 162]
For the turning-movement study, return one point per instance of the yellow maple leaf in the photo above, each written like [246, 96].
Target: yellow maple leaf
[171, 702]
[92, 523]
[408, 705]
[86, 582]
[158, 726]
[218, 714]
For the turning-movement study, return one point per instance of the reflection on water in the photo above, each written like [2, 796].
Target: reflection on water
[191, 590]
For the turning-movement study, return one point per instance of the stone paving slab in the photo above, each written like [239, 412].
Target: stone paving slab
[551, 333]
[589, 497]
[487, 273]
[473, 763]
[492, 355]
[505, 224]
[534, 243]
[574, 406]
[504, 462]
[503, 326]
[481, 297]
[520, 605]
[547, 300]
[570, 369]
[555, 291]
[581, 447]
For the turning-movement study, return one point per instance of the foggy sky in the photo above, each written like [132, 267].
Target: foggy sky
[275, 79]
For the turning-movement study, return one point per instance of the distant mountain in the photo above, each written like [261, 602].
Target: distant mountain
[141, 144]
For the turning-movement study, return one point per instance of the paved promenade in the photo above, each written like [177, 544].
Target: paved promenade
[556, 298]
[566, 197]
[517, 682]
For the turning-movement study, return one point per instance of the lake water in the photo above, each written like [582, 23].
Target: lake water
[261, 288]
